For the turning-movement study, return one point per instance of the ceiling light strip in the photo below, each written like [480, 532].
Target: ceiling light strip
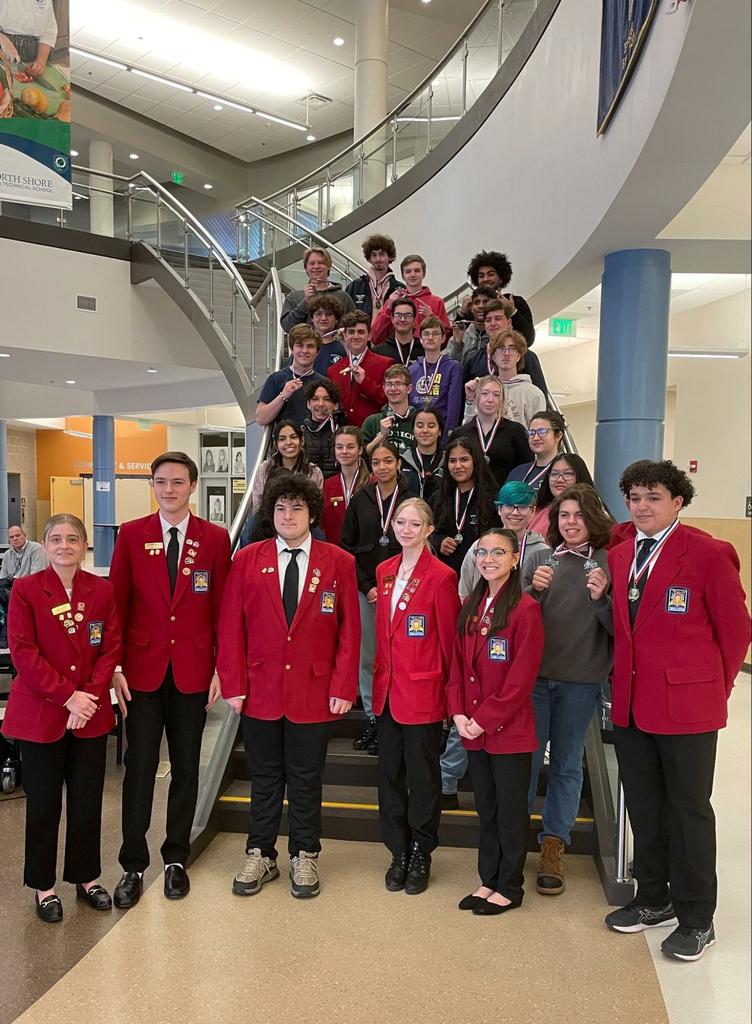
[173, 84]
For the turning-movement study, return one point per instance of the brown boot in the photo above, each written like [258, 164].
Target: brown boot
[550, 881]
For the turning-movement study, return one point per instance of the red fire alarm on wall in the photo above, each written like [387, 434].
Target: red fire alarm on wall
[693, 465]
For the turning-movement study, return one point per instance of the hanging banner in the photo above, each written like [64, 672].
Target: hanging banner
[35, 103]
[624, 29]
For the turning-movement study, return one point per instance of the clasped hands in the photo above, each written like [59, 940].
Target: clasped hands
[468, 728]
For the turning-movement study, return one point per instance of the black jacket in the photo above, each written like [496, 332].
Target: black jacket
[447, 527]
[359, 291]
[388, 348]
[361, 531]
[423, 486]
[319, 444]
[509, 447]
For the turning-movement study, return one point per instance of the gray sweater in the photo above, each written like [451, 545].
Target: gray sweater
[296, 311]
[578, 647]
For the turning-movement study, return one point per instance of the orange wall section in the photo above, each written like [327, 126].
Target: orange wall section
[60, 454]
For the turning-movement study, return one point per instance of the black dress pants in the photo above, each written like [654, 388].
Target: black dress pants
[409, 783]
[80, 764]
[181, 716]
[282, 753]
[668, 782]
[500, 783]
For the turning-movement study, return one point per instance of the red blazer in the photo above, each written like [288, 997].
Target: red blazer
[334, 508]
[414, 647]
[360, 400]
[159, 627]
[675, 672]
[52, 662]
[290, 672]
[383, 325]
[492, 678]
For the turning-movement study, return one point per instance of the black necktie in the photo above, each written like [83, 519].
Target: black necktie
[644, 548]
[173, 550]
[290, 586]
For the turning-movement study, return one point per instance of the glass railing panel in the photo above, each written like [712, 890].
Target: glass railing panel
[516, 15]
[448, 90]
[482, 60]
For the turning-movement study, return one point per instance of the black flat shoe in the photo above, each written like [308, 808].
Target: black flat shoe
[486, 909]
[128, 890]
[96, 896]
[176, 882]
[50, 910]
[470, 902]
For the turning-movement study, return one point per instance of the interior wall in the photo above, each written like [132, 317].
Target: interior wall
[22, 458]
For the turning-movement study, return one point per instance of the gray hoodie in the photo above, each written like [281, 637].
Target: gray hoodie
[295, 309]
[469, 574]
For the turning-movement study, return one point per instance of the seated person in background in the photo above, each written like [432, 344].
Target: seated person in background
[413, 270]
[498, 317]
[297, 306]
[474, 337]
[423, 465]
[324, 416]
[436, 378]
[493, 270]
[545, 435]
[522, 399]
[22, 558]
[360, 375]
[402, 346]
[502, 440]
[282, 396]
[288, 453]
[326, 313]
[395, 421]
[566, 469]
[370, 292]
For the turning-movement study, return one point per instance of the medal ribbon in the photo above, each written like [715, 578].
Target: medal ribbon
[582, 551]
[390, 513]
[432, 379]
[402, 359]
[634, 575]
[542, 470]
[486, 445]
[320, 427]
[461, 522]
[348, 491]
[521, 551]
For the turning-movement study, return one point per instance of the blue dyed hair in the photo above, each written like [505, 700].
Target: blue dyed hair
[516, 492]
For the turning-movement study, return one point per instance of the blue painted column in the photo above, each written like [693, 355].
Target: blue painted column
[632, 366]
[3, 483]
[103, 460]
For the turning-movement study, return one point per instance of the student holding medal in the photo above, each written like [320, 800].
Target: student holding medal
[339, 488]
[497, 651]
[502, 441]
[65, 643]
[571, 585]
[417, 600]
[681, 631]
[566, 469]
[463, 505]
[367, 534]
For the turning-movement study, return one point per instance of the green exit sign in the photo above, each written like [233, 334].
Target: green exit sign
[177, 177]
[562, 328]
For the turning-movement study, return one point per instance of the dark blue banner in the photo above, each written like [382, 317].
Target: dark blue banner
[624, 29]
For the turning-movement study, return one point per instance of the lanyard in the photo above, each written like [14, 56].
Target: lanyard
[564, 550]
[542, 470]
[429, 386]
[521, 551]
[386, 524]
[320, 427]
[431, 460]
[402, 359]
[485, 445]
[300, 376]
[348, 491]
[461, 522]
[634, 575]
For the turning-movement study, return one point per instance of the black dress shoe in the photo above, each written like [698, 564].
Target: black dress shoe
[486, 909]
[176, 882]
[128, 890]
[367, 737]
[50, 909]
[397, 873]
[470, 902]
[96, 896]
[418, 872]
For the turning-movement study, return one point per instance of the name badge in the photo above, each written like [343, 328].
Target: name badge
[201, 581]
[416, 625]
[677, 600]
[60, 608]
[327, 602]
[96, 631]
[497, 648]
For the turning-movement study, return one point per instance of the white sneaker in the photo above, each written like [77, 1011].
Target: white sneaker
[255, 872]
[304, 875]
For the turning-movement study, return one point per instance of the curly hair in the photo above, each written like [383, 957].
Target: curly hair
[292, 487]
[329, 303]
[497, 260]
[597, 519]
[380, 242]
[582, 476]
[485, 488]
[328, 385]
[646, 473]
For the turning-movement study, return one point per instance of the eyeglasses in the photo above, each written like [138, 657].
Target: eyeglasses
[507, 348]
[432, 334]
[515, 508]
[495, 555]
[403, 316]
[539, 432]
[562, 474]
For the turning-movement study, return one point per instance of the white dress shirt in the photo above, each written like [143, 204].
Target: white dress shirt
[397, 591]
[182, 532]
[656, 537]
[284, 559]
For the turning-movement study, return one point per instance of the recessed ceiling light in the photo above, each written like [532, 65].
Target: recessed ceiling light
[218, 106]
[70, 382]
[310, 138]
[426, 1]
[74, 152]
[133, 156]
[207, 185]
[338, 41]
[152, 370]
[4, 355]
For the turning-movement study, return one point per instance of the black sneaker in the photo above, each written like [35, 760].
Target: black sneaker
[418, 872]
[396, 873]
[367, 737]
[636, 917]
[688, 943]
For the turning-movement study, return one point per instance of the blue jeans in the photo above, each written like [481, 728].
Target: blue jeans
[453, 762]
[562, 716]
[367, 652]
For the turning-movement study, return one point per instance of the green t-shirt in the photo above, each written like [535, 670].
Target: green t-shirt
[401, 435]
